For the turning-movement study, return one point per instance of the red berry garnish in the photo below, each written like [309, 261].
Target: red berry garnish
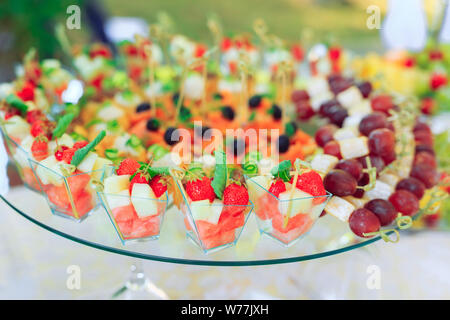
[277, 187]
[138, 178]
[158, 187]
[200, 189]
[128, 166]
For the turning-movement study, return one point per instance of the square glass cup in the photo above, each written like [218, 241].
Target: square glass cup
[124, 217]
[20, 158]
[272, 213]
[73, 197]
[222, 224]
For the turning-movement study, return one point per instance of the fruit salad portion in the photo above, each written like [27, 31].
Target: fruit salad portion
[135, 197]
[216, 204]
[283, 211]
[64, 169]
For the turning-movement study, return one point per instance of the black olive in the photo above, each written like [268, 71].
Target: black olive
[283, 143]
[152, 125]
[254, 101]
[168, 136]
[276, 112]
[238, 147]
[227, 112]
[144, 106]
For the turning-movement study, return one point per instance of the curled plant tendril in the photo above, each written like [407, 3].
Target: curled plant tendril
[403, 222]
[67, 169]
[372, 172]
[97, 185]
[250, 167]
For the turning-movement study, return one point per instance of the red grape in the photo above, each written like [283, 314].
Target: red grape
[425, 173]
[304, 110]
[424, 148]
[299, 95]
[382, 142]
[412, 185]
[376, 161]
[325, 134]
[359, 193]
[384, 210]
[426, 158]
[405, 202]
[423, 137]
[340, 183]
[389, 158]
[422, 126]
[333, 148]
[365, 88]
[340, 84]
[363, 221]
[326, 107]
[337, 115]
[375, 120]
[352, 166]
[382, 103]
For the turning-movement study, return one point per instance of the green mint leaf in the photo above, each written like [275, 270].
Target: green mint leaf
[289, 129]
[15, 102]
[80, 154]
[220, 174]
[62, 125]
[282, 170]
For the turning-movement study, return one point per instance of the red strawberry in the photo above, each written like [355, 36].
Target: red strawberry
[277, 187]
[34, 115]
[80, 144]
[39, 148]
[235, 197]
[199, 51]
[37, 128]
[200, 189]
[128, 166]
[311, 182]
[235, 194]
[138, 178]
[157, 186]
[68, 154]
[437, 80]
[59, 153]
[27, 92]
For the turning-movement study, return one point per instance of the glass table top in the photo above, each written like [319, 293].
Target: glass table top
[328, 237]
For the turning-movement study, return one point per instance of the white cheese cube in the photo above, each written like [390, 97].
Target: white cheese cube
[354, 147]
[339, 208]
[324, 163]
[350, 97]
[380, 191]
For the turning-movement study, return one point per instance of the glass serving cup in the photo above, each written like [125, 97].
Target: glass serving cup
[273, 220]
[121, 211]
[212, 236]
[72, 196]
[20, 158]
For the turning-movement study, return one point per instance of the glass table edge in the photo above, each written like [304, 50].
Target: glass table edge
[182, 261]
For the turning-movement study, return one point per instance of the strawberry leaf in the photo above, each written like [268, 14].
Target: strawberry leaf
[220, 174]
[282, 171]
[81, 153]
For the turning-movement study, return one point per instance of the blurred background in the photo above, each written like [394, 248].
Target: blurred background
[26, 23]
[29, 270]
